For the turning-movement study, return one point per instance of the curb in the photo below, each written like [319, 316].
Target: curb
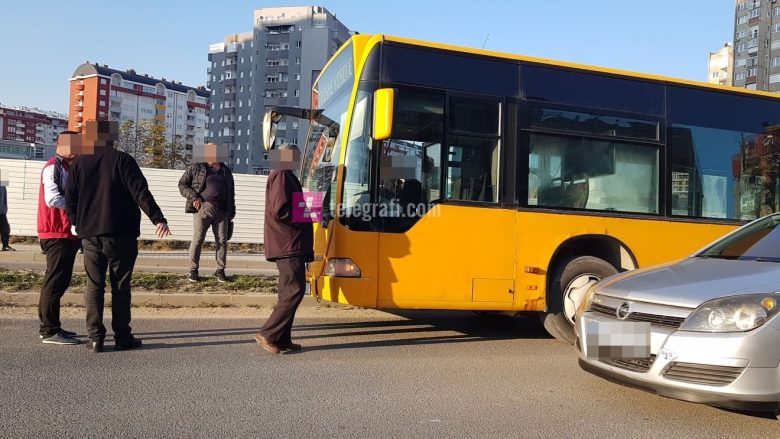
[161, 300]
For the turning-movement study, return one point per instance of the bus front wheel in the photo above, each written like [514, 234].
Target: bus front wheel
[570, 282]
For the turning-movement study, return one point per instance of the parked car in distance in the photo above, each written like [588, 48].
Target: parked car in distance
[703, 329]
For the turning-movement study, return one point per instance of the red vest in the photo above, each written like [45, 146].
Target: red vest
[52, 222]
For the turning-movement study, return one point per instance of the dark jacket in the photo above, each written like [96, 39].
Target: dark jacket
[284, 237]
[191, 185]
[103, 193]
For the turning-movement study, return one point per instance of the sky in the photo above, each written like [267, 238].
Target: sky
[45, 40]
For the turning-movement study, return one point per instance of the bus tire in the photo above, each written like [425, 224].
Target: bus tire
[570, 281]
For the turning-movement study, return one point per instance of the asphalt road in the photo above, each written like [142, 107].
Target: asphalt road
[361, 375]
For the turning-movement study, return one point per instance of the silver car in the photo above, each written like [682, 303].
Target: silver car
[702, 329]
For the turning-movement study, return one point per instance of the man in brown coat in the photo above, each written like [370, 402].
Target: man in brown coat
[289, 241]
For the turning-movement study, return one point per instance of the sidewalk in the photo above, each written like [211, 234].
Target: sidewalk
[161, 300]
[29, 257]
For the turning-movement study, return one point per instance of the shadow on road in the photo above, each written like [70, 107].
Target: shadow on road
[415, 328]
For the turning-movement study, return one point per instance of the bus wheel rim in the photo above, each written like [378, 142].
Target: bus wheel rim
[575, 292]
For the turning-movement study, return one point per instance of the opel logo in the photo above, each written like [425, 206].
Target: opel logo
[623, 311]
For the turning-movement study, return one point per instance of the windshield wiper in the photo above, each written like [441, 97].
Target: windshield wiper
[775, 260]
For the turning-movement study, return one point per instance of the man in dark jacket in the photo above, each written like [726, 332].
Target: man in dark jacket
[104, 190]
[56, 238]
[209, 189]
[288, 241]
[5, 228]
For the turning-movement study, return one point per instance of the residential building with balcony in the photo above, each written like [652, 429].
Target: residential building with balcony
[273, 65]
[720, 65]
[31, 125]
[98, 92]
[757, 45]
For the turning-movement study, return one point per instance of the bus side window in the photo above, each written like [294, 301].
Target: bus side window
[473, 150]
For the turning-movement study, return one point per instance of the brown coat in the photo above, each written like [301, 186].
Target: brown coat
[284, 237]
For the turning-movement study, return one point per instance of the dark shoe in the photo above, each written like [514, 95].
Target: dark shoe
[8, 249]
[220, 275]
[61, 338]
[127, 343]
[267, 345]
[193, 276]
[95, 345]
[66, 333]
[290, 347]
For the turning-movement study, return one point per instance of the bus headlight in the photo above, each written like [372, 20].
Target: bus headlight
[342, 267]
[733, 314]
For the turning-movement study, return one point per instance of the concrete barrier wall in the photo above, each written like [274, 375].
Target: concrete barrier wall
[23, 178]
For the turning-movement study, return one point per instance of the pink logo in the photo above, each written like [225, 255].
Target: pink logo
[307, 206]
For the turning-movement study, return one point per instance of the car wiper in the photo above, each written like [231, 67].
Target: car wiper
[766, 260]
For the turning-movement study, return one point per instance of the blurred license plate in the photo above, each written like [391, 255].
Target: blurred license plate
[614, 340]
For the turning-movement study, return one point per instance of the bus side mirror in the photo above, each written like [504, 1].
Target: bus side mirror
[270, 119]
[384, 101]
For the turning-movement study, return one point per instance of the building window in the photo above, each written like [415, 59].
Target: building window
[739, 76]
[298, 44]
[239, 132]
[774, 79]
[238, 161]
[776, 27]
[239, 118]
[297, 60]
[754, 13]
[775, 61]
[742, 20]
[102, 103]
[297, 93]
[297, 76]
[741, 62]
[248, 117]
[751, 72]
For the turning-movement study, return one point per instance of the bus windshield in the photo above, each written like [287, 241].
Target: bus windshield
[330, 94]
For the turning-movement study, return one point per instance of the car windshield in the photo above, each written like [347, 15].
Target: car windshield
[757, 241]
[330, 94]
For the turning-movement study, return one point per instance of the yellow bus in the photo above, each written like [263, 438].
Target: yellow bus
[466, 179]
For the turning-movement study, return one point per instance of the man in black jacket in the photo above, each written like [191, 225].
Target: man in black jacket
[210, 192]
[104, 190]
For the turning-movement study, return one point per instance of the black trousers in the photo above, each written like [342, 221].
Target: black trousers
[117, 254]
[292, 287]
[5, 230]
[60, 255]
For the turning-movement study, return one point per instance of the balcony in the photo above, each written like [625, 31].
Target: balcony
[230, 81]
[78, 119]
[189, 133]
[159, 108]
[79, 87]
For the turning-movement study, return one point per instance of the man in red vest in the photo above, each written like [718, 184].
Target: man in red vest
[57, 241]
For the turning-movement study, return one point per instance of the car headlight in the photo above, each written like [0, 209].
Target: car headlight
[733, 313]
[586, 299]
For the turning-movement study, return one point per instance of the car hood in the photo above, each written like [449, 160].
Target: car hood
[690, 282]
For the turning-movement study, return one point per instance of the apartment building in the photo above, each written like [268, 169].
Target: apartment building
[98, 92]
[274, 64]
[757, 45]
[720, 66]
[31, 125]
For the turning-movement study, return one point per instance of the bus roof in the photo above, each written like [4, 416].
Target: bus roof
[565, 64]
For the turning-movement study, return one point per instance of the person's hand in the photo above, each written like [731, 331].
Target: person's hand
[197, 203]
[163, 230]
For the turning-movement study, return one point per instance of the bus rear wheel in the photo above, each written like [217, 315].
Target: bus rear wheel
[570, 282]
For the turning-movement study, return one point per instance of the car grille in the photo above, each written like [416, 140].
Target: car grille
[702, 373]
[640, 366]
[653, 319]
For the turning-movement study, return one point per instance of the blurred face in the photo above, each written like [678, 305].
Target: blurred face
[99, 135]
[210, 153]
[68, 145]
[284, 159]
